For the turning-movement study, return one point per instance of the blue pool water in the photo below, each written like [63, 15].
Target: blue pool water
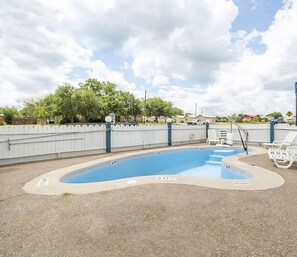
[206, 163]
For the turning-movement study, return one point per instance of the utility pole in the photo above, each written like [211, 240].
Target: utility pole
[296, 103]
[195, 110]
[144, 110]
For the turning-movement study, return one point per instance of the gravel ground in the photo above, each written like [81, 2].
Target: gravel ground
[150, 220]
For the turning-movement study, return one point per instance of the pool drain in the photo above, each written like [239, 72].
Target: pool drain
[165, 178]
[242, 183]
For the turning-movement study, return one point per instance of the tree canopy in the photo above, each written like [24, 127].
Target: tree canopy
[275, 115]
[91, 100]
[157, 107]
[10, 113]
[65, 101]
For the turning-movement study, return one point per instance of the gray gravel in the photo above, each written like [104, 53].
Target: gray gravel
[150, 220]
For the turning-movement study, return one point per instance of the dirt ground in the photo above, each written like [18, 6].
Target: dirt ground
[151, 220]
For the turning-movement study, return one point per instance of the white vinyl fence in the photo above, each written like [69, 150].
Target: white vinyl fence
[138, 137]
[34, 143]
[188, 134]
[282, 130]
[258, 133]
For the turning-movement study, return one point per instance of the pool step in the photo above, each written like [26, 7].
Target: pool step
[224, 152]
[217, 156]
[213, 162]
[214, 157]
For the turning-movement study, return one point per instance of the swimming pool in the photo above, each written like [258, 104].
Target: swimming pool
[54, 182]
[201, 162]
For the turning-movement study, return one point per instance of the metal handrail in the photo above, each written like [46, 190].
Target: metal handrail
[241, 129]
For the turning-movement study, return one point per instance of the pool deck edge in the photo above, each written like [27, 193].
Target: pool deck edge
[50, 184]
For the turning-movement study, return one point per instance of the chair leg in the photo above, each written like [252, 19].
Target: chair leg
[283, 164]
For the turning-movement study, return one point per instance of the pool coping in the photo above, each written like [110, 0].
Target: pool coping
[50, 184]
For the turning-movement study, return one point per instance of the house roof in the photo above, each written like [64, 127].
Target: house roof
[251, 115]
[206, 116]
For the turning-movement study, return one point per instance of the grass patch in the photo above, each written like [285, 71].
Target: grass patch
[66, 194]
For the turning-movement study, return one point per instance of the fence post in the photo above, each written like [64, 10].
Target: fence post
[169, 124]
[207, 127]
[272, 131]
[108, 133]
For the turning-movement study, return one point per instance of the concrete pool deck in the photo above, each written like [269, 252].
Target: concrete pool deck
[261, 178]
[147, 220]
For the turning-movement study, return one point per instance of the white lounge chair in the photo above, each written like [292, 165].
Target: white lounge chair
[212, 137]
[283, 158]
[289, 140]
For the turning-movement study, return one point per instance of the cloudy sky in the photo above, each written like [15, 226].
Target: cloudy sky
[226, 56]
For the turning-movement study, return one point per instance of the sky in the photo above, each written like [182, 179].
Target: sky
[225, 56]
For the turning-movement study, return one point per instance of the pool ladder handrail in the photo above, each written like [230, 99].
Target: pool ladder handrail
[241, 129]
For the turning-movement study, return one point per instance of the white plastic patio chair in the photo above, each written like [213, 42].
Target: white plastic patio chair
[225, 137]
[229, 139]
[212, 137]
[288, 141]
[223, 134]
[283, 158]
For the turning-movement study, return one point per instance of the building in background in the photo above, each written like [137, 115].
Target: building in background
[249, 117]
[205, 117]
[1, 119]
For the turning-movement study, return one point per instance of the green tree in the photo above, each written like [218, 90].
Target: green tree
[88, 104]
[65, 102]
[49, 103]
[42, 108]
[29, 108]
[234, 116]
[173, 111]
[10, 113]
[40, 112]
[99, 88]
[275, 115]
[158, 107]
[107, 92]
[136, 108]
[129, 104]
[239, 118]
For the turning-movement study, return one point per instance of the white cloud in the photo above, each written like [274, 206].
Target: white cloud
[165, 43]
[45, 41]
[254, 4]
[193, 46]
[260, 83]
[100, 71]
[35, 55]
[188, 36]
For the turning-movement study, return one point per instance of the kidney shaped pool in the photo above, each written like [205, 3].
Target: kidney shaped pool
[201, 162]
